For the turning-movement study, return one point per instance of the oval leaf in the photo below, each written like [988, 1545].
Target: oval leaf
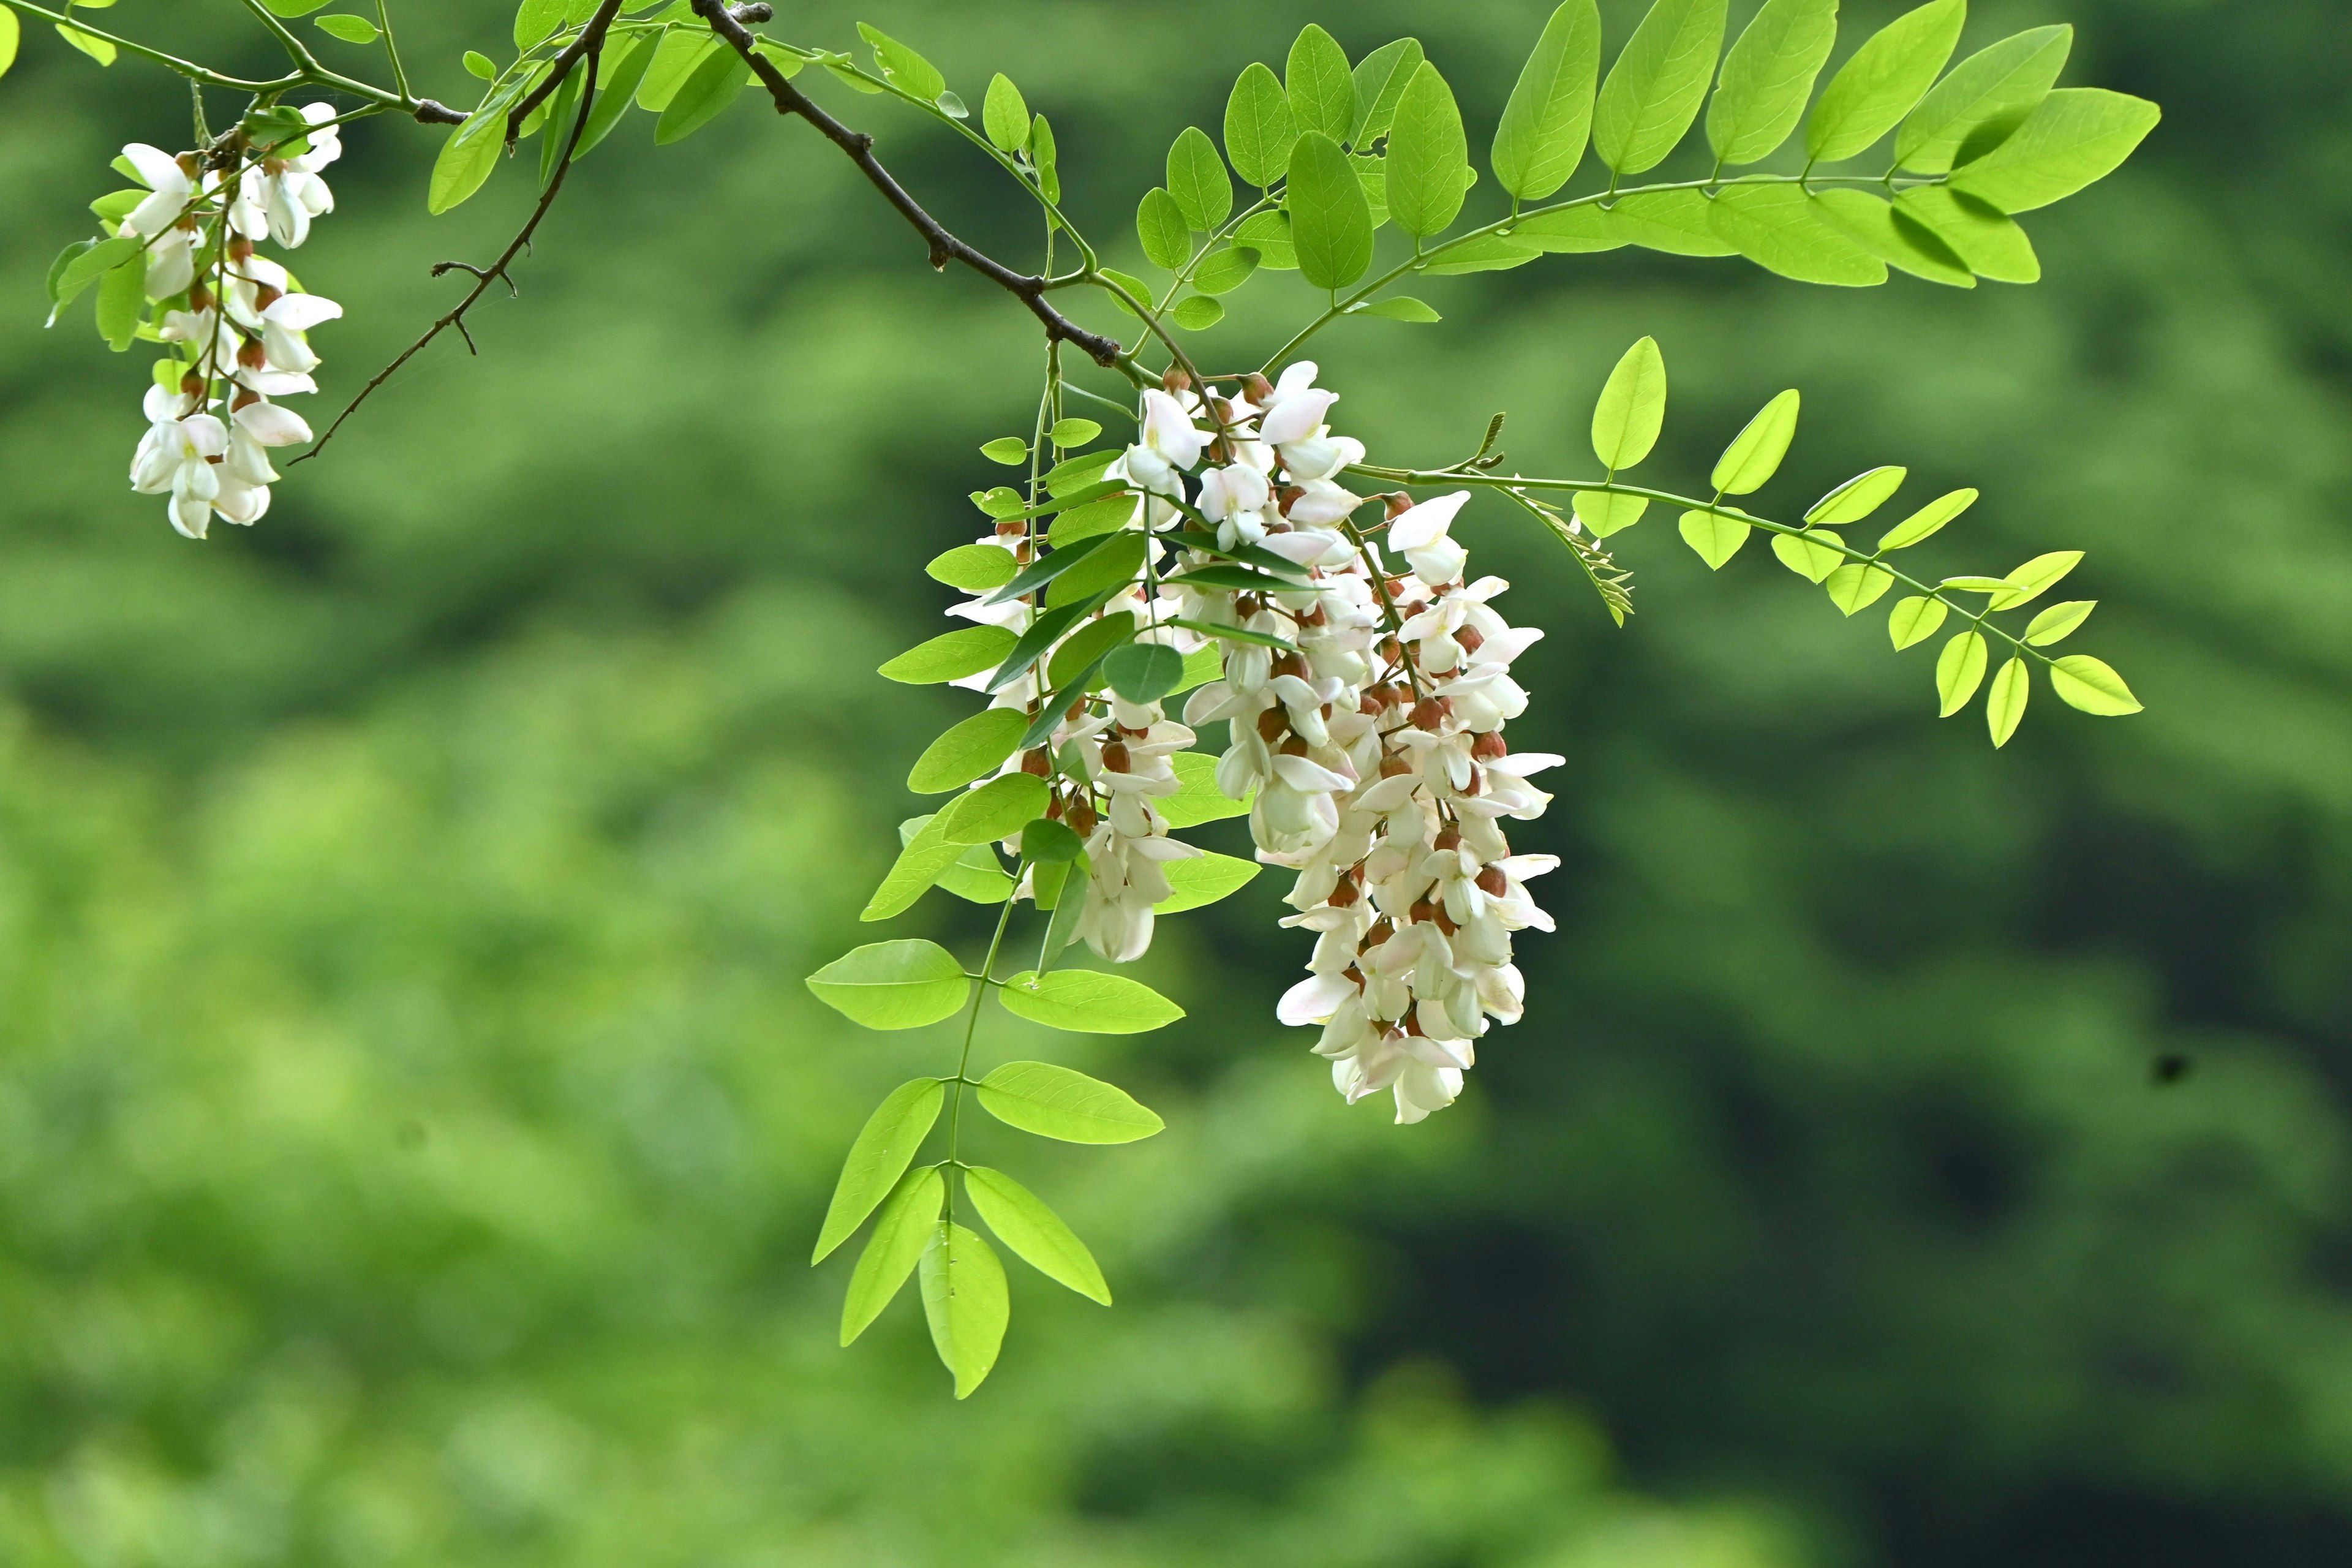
[965, 1302]
[1766, 78]
[1959, 670]
[1160, 225]
[1915, 619]
[900, 1235]
[1995, 88]
[1320, 88]
[1203, 879]
[885, 1148]
[2059, 622]
[1004, 115]
[1087, 1001]
[709, 93]
[1259, 127]
[950, 656]
[1144, 672]
[1716, 538]
[464, 162]
[1056, 1103]
[1632, 407]
[2078, 135]
[1755, 454]
[1883, 81]
[1926, 521]
[901, 985]
[1331, 221]
[1654, 90]
[1782, 230]
[997, 809]
[1197, 179]
[1428, 157]
[978, 745]
[2084, 682]
[1034, 1233]
[1550, 116]
[1857, 498]
[2006, 704]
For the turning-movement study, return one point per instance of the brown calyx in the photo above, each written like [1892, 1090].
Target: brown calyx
[1081, 817]
[1429, 712]
[1114, 756]
[1448, 837]
[1272, 723]
[1037, 760]
[1489, 746]
[1493, 882]
[1471, 638]
[1394, 767]
[1293, 747]
[1398, 503]
[1258, 388]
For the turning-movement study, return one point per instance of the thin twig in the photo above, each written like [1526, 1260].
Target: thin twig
[944, 246]
[483, 276]
[591, 41]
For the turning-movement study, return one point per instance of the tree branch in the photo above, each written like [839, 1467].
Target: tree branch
[496, 271]
[591, 41]
[944, 246]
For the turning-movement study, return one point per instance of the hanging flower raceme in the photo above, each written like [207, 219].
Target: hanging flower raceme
[236, 322]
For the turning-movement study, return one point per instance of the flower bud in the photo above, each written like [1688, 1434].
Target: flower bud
[1394, 767]
[1290, 664]
[1173, 379]
[239, 248]
[1082, 818]
[1114, 756]
[1471, 638]
[1295, 747]
[1399, 503]
[1448, 837]
[1427, 714]
[1258, 388]
[1272, 723]
[1492, 881]
[250, 355]
[1380, 932]
[1037, 760]
[1344, 896]
[1489, 746]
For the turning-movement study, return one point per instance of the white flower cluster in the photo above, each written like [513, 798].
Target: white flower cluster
[236, 318]
[1368, 722]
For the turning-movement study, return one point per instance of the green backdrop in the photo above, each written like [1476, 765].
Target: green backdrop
[413, 1125]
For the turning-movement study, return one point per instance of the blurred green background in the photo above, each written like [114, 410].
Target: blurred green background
[413, 1125]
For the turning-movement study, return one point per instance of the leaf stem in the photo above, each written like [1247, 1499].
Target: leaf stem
[971, 1028]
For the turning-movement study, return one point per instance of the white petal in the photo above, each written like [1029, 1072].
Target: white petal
[158, 169]
[1295, 415]
[300, 313]
[1314, 999]
[1423, 524]
[272, 425]
[1306, 777]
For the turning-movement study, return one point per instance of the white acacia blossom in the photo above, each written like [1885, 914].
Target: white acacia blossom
[236, 320]
[1365, 697]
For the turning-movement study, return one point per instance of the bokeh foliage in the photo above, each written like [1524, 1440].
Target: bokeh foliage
[411, 1123]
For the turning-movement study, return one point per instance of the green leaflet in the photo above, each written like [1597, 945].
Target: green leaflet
[2078, 135]
[1034, 1233]
[90, 44]
[2084, 682]
[1926, 521]
[682, 53]
[1227, 267]
[464, 162]
[1202, 666]
[906, 69]
[974, 568]
[884, 1149]
[1755, 454]
[1766, 78]
[1991, 92]
[1087, 1001]
[1401, 307]
[1478, 253]
[1203, 879]
[1085, 646]
[1082, 522]
[619, 77]
[1056, 1103]
[997, 809]
[709, 93]
[2059, 622]
[964, 1301]
[1112, 566]
[1331, 222]
[1572, 230]
[1914, 620]
[1380, 79]
[1854, 588]
[1068, 433]
[1809, 556]
[1159, 224]
[1317, 81]
[351, 29]
[1144, 672]
[1004, 115]
[1986, 240]
[1893, 235]
[121, 300]
[1045, 842]
[1428, 157]
[1267, 235]
[1959, 669]
[1654, 90]
[1604, 513]
[1716, 539]
[2006, 704]
[1780, 229]
[976, 875]
[1632, 407]
[476, 63]
[1883, 81]
[563, 110]
[1259, 127]
[2036, 577]
[1071, 475]
[1197, 179]
[1044, 159]
[1009, 450]
[1679, 223]
[1857, 498]
[901, 985]
[1199, 800]
[1550, 116]
[901, 1233]
[1136, 287]
[8, 40]
[976, 746]
[534, 20]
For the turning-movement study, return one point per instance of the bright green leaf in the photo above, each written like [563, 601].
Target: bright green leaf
[1987, 96]
[709, 93]
[976, 746]
[1317, 81]
[619, 77]
[904, 1229]
[1716, 539]
[1679, 223]
[1197, 179]
[1267, 235]
[899, 984]
[1604, 513]
[479, 64]
[351, 29]
[1988, 243]
[2036, 577]
[1034, 1233]
[1048, 842]
[1089, 1002]
[1883, 81]
[682, 52]
[90, 44]
[1811, 556]
[1088, 643]
[1203, 879]
[1857, 498]
[965, 1302]
[923, 859]
[81, 268]
[1478, 253]
[1782, 229]
[1959, 669]
[1056, 1102]
[1008, 450]
[1927, 521]
[10, 39]
[122, 301]
[1854, 588]
[464, 162]
[1755, 454]
[1159, 224]
[1331, 222]
[1044, 159]
[1380, 80]
[1068, 433]
[1915, 619]
[997, 809]
[1654, 90]
[1106, 516]
[1893, 235]
[535, 19]
[1259, 127]
[974, 568]
[1144, 672]
[2078, 135]
[2084, 682]
[2059, 622]
[1197, 313]
[1226, 268]
[1632, 407]
[906, 69]
[1428, 157]
[1401, 307]
[1550, 116]
[1199, 800]
[1004, 115]
[2006, 704]
[885, 1148]
[1766, 78]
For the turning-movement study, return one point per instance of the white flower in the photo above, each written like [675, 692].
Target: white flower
[283, 324]
[253, 428]
[170, 262]
[1421, 536]
[1296, 407]
[173, 190]
[1167, 444]
[178, 455]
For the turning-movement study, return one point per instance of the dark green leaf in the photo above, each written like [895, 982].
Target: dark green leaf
[1042, 634]
[1766, 78]
[1654, 90]
[1549, 115]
